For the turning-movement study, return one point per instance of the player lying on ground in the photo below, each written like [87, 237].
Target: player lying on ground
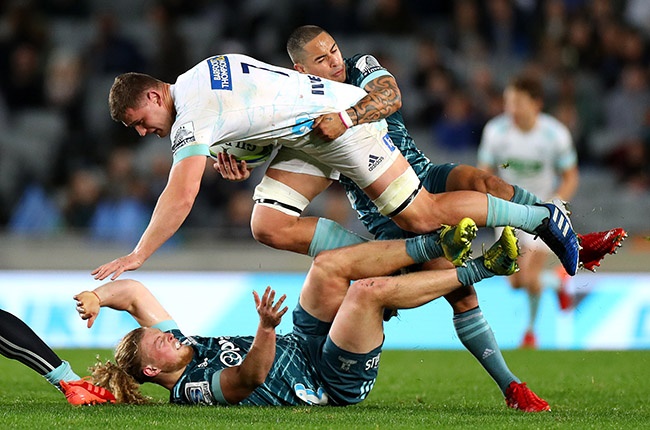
[19, 342]
[332, 355]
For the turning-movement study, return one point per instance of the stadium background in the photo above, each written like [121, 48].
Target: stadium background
[76, 189]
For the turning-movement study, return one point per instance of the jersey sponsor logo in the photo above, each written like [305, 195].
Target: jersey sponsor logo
[309, 396]
[368, 64]
[220, 76]
[389, 143]
[524, 167]
[230, 354]
[373, 362]
[184, 135]
[374, 161]
[198, 393]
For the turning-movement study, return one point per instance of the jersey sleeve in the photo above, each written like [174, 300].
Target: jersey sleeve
[216, 388]
[362, 69]
[167, 325]
[190, 138]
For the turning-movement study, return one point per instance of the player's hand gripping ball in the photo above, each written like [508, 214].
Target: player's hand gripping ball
[253, 155]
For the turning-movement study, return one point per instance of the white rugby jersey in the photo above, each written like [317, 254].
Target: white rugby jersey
[236, 98]
[533, 159]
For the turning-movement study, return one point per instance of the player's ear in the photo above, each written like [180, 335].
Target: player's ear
[154, 96]
[299, 67]
[150, 371]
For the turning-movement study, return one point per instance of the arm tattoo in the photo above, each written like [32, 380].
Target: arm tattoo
[383, 99]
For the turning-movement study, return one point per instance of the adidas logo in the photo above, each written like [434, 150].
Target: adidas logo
[374, 161]
[561, 221]
[488, 352]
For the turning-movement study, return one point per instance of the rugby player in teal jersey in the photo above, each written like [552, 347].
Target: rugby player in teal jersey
[294, 179]
[330, 358]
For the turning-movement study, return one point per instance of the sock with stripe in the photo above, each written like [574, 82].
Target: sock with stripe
[525, 217]
[524, 197]
[476, 335]
[331, 235]
[424, 248]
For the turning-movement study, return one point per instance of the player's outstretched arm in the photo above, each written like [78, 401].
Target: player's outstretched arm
[239, 382]
[173, 207]
[123, 295]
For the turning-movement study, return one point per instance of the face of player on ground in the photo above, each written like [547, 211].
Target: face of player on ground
[322, 57]
[150, 117]
[521, 107]
[163, 352]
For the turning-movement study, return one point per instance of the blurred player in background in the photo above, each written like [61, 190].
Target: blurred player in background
[528, 147]
[19, 342]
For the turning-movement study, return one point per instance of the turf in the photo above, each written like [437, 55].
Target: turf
[415, 389]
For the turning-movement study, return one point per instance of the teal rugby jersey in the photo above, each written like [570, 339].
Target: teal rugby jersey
[291, 381]
[361, 69]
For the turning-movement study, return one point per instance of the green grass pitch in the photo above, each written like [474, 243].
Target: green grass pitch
[415, 389]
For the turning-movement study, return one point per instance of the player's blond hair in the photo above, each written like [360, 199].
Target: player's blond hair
[123, 378]
[128, 91]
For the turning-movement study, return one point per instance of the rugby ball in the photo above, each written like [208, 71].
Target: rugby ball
[253, 155]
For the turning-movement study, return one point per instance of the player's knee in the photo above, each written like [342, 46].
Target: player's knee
[368, 291]
[416, 224]
[332, 262]
[275, 235]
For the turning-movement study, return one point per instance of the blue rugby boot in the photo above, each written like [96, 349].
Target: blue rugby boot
[556, 231]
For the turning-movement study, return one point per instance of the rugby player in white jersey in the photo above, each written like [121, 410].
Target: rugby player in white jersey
[235, 98]
[538, 154]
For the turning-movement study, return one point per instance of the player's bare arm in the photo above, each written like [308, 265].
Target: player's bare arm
[123, 295]
[384, 98]
[172, 208]
[238, 382]
[569, 181]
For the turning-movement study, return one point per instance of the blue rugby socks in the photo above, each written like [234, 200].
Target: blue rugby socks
[331, 235]
[524, 197]
[62, 373]
[476, 335]
[525, 217]
[424, 248]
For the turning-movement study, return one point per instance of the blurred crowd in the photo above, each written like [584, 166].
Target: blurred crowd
[65, 166]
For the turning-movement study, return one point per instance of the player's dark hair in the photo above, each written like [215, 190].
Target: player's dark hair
[529, 85]
[299, 38]
[127, 92]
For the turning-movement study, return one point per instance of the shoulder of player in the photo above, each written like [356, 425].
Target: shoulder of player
[498, 124]
[549, 124]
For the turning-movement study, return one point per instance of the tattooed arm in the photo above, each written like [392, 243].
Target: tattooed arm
[383, 99]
